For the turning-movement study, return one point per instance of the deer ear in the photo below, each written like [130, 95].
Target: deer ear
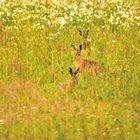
[87, 32]
[80, 47]
[71, 72]
[80, 32]
[77, 70]
[73, 47]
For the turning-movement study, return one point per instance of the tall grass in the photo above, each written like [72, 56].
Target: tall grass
[35, 56]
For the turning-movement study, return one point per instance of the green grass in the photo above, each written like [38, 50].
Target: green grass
[32, 66]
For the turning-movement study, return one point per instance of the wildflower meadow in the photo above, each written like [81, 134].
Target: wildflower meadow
[44, 94]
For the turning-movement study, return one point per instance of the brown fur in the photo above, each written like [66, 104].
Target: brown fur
[86, 41]
[85, 65]
[69, 84]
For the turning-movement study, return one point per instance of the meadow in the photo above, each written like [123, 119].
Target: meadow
[36, 52]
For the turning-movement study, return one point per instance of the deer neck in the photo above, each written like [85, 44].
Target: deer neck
[79, 62]
[78, 59]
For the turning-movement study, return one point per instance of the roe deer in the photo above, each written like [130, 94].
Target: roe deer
[86, 40]
[84, 64]
[69, 84]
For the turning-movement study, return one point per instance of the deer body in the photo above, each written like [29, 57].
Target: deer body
[86, 41]
[85, 65]
[69, 84]
[86, 44]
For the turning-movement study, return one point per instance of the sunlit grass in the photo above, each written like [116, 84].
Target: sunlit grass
[35, 60]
